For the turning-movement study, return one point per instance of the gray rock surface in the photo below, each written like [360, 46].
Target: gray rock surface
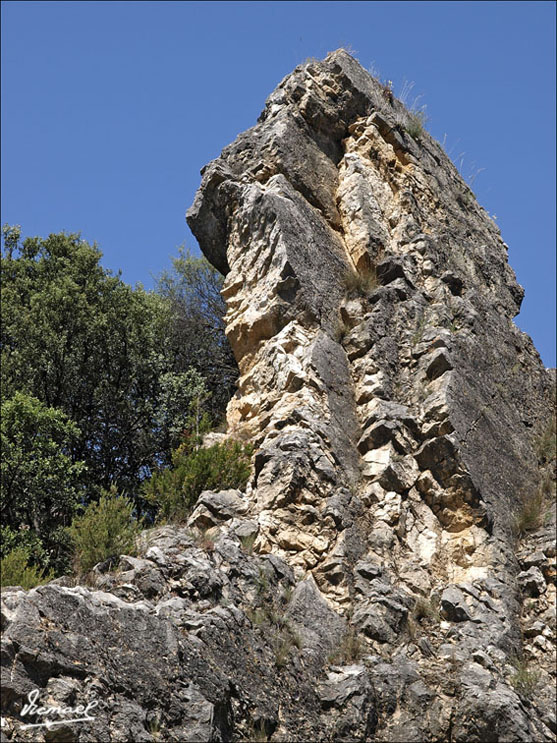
[382, 578]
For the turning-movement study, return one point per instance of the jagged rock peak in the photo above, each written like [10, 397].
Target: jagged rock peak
[395, 406]
[361, 273]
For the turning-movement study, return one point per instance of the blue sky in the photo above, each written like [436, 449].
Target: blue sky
[110, 109]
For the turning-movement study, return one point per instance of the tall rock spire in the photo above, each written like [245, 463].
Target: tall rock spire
[370, 307]
[395, 405]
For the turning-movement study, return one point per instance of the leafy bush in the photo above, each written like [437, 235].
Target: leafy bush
[25, 538]
[217, 467]
[193, 289]
[105, 529]
[15, 570]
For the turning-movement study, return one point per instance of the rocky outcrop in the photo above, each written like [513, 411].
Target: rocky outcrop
[369, 584]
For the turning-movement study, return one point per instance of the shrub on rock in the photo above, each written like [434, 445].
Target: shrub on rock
[105, 529]
[175, 490]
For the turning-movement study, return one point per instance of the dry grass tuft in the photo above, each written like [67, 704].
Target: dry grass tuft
[360, 283]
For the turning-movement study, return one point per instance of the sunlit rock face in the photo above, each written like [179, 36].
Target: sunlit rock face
[377, 581]
[394, 404]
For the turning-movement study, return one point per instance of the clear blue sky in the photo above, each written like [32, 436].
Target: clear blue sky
[110, 109]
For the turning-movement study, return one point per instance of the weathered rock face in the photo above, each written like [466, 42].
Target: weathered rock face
[368, 585]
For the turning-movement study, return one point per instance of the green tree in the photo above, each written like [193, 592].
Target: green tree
[193, 288]
[11, 539]
[81, 340]
[41, 485]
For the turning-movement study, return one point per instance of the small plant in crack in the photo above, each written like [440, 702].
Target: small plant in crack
[413, 119]
[415, 124]
[154, 727]
[262, 583]
[426, 609]
[387, 91]
[270, 618]
[420, 327]
[531, 513]
[284, 643]
[256, 732]
[341, 331]
[546, 443]
[525, 679]
[360, 283]
[206, 539]
[247, 542]
[286, 595]
[350, 649]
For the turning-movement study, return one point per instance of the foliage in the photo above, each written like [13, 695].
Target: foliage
[247, 541]
[524, 680]
[532, 510]
[546, 444]
[180, 408]
[26, 539]
[350, 649]
[105, 529]
[40, 482]
[362, 282]
[175, 490]
[16, 570]
[415, 124]
[425, 609]
[80, 340]
[193, 288]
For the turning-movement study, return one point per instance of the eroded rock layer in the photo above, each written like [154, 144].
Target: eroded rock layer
[370, 584]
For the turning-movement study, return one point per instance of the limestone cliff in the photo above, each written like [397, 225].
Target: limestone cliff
[369, 585]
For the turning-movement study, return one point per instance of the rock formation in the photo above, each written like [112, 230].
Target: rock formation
[369, 584]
